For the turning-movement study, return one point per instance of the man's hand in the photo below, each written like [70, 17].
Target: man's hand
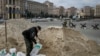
[38, 39]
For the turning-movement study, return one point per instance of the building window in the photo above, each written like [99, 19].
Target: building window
[6, 1]
[13, 2]
[10, 12]
[14, 13]
[9, 1]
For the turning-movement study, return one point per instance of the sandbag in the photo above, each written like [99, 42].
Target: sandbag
[36, 49]
[3, 52]
[20, 54]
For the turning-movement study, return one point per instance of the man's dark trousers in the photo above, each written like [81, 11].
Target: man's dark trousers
[29, 45]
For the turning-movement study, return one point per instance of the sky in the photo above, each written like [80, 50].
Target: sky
[71, 3]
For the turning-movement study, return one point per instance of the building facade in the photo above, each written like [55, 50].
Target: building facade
[23, 6]
[59, 11]
[2, 8]
[97, 11]
[88, 11]
[71, 11]
[11, 9]
[50, 7]
[56, 11]
[36, 7]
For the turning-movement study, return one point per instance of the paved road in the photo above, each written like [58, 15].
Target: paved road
[89, 32]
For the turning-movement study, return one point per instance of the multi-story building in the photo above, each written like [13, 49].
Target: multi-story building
[88, 11]
[81, 13]
[97, 11]
[71, 11]
[23, 6]
[36, 7]
[11, 9]
[2, 8]
[59, 11]
[66, 12]
[56, 11]
[50, 7]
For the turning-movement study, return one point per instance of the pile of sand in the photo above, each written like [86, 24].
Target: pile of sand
[67, 42]
[55, 41]
[14, 34]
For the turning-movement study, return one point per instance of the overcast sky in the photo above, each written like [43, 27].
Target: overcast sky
[70, 3]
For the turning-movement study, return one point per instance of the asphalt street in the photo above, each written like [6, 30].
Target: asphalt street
[88, 31]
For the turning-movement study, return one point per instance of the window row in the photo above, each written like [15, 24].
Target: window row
[12, 10]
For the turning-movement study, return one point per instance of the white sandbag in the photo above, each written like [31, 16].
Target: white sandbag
[12, 50]
[3, 52]
[13, 54]
[36, 49]
[8, 54]
[20, 54]
[41, 55]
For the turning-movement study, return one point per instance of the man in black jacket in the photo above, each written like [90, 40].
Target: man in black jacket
[29, 36]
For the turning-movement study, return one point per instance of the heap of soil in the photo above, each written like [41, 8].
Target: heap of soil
[67, 42]
[15, 27]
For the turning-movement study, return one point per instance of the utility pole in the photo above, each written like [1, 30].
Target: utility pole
[6, 35]
[5, 23]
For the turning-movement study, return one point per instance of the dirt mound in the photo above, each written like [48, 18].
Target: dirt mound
[67, 42]
[14, 33]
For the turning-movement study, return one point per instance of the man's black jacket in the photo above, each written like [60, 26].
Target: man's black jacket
[30, 33]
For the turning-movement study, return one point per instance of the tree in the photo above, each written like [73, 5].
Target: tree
[46, 15]
[28, 14]
[71, 16]
[42, 14]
